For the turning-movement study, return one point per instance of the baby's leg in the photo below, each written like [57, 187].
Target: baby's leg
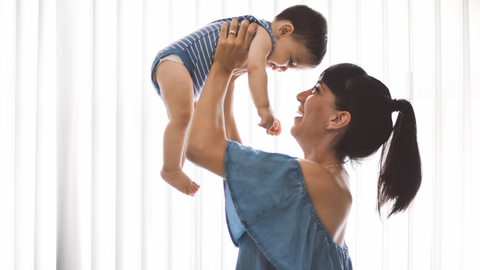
[177, 93]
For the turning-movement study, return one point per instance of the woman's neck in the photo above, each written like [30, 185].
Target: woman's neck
[320, 154]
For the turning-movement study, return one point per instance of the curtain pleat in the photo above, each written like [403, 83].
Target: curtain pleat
[473, 184]
[81, 133]
[7, 132]
[104, 134]
[466, 213]
[46, 141]
[74, 134]
[26, 87]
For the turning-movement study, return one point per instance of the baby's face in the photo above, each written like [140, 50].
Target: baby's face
[288, 53]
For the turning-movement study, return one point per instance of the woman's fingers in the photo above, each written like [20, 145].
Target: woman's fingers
[242, 29]
[223, 31]
[245, 32]
[233, 33]
[233, 45]
[250, 32]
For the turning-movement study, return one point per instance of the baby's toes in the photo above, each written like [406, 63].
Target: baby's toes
[192, 190]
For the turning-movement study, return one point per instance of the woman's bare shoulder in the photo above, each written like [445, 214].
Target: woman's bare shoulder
[333, 180]
[330, 196]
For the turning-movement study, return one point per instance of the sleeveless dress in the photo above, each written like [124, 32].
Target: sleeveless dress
[197, 50]
[270, 216]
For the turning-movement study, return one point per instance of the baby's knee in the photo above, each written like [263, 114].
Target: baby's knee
[182, 118]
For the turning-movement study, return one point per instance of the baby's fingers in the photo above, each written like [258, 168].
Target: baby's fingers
[276, 129]
[277, 125]
[266, 124]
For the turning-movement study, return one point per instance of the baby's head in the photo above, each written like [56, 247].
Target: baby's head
[308, 28]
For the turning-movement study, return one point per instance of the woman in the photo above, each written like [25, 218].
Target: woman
[288, 213]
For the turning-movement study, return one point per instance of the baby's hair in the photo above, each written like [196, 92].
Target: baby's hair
[310, 28]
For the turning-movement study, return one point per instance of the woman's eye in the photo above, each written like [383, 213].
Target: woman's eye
[290, 63]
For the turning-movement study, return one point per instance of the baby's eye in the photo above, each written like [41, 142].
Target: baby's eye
[316, 88]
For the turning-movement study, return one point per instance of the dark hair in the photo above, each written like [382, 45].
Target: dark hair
[370, 105]
[310, 28]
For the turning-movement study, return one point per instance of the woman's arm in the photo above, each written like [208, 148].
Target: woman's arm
[207, 140]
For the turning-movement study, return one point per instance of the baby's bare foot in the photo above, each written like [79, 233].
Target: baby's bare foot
[179, 180]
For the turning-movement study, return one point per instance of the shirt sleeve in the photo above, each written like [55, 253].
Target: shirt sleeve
[256, 183]
[261, 198]
[265, 197]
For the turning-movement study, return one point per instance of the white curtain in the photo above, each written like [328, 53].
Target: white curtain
[81, 131]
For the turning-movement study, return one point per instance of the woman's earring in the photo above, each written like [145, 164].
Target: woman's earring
[326, 126]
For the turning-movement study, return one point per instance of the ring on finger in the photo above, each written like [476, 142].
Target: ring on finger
[232, 32]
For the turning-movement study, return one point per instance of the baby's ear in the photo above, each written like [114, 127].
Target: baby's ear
[285, 29]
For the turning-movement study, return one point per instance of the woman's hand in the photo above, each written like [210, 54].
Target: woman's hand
[207, 141]
[233, 45]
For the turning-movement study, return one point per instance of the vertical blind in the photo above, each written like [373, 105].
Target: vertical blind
[81, 132]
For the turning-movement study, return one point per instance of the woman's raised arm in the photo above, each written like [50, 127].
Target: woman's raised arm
[206, 141]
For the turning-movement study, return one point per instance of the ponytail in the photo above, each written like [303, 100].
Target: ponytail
[400, 165]
[370, 105]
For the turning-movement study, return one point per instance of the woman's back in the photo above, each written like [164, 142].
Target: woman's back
[329, 192]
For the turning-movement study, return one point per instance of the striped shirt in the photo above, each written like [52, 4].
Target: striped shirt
[197, 50]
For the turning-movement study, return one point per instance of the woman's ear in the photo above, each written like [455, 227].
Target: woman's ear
[285, 29]
[342, 119]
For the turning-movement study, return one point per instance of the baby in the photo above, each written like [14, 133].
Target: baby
[296, 38]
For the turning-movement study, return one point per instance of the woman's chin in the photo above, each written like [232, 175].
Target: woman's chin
[295, 126]
[297, 119]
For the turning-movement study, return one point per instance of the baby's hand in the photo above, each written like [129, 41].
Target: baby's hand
[267, 118]
[276, 129]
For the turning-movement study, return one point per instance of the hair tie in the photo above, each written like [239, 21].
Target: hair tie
[396, 105]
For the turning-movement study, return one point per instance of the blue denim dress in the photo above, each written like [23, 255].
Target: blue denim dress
[270, 216]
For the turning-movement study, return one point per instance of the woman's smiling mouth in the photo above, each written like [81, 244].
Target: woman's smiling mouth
[300, 112]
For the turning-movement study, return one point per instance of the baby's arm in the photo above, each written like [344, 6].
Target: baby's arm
[230, 124]
[257, 76]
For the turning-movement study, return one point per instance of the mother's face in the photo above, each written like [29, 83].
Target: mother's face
[317, 109]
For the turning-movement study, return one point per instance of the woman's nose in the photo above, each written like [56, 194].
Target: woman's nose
[302, 96]
[282, 68]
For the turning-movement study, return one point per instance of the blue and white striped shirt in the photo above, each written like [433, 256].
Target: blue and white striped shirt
[197, 50]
